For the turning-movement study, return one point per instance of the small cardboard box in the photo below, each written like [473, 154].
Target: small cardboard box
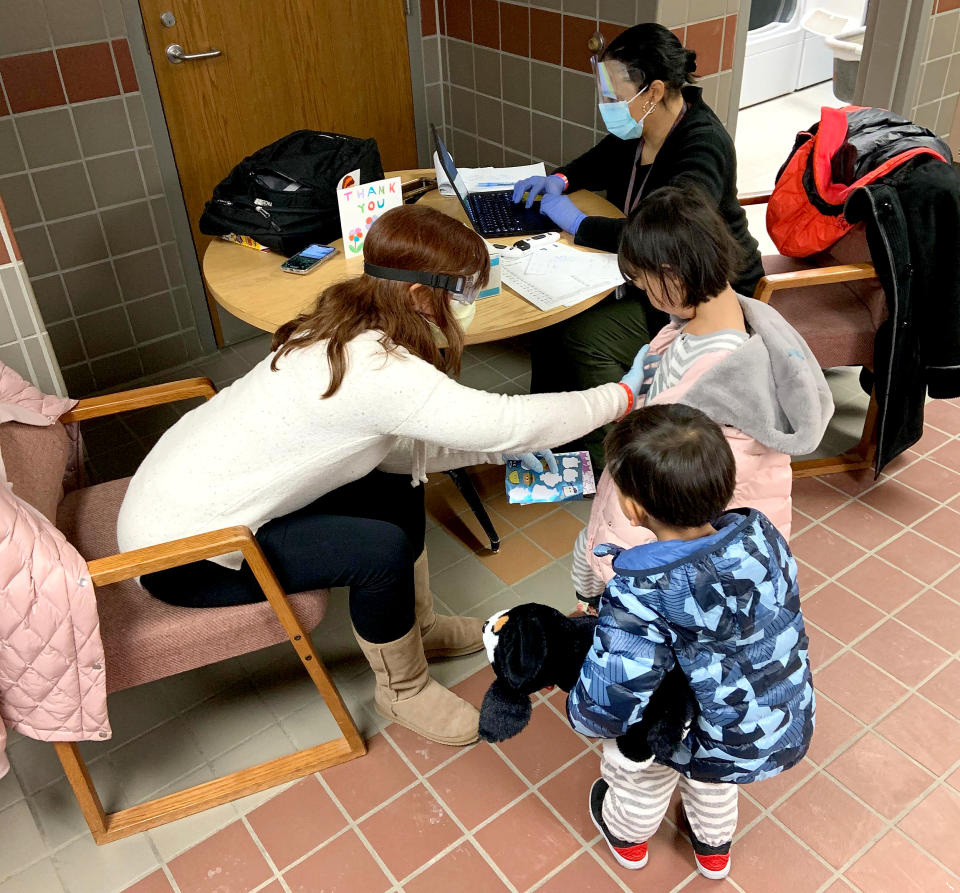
[493, 283]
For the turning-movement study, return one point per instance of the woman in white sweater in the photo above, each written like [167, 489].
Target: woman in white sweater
[314, 450]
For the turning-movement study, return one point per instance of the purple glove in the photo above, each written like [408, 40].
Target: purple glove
[562, 212]
[535, 186]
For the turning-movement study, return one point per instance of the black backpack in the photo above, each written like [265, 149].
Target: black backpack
[284, 195]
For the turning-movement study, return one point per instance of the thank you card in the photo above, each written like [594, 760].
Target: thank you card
[360, 206]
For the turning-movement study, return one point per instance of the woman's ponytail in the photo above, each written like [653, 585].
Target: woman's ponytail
[691, 65]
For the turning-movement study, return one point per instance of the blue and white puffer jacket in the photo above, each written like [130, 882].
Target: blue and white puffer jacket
[725, 608]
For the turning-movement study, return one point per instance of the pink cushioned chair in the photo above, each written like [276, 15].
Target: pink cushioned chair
[835, 301]
[145, 639]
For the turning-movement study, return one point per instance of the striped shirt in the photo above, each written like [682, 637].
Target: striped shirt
[684, 351]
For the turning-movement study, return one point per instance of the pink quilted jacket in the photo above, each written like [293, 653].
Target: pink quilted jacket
[52, 681]
[764, 479]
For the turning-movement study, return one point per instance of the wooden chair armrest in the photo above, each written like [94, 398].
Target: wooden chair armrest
[174, 553]
[775, 282]
[754, 198]
[139, 398]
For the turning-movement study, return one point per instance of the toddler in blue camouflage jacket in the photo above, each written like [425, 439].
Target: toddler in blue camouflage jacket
[716, 595]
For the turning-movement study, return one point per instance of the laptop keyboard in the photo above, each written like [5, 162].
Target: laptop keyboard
[495, 212]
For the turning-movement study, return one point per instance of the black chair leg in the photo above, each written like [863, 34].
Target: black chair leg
[469, 492]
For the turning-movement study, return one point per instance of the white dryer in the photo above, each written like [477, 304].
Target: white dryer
[786, 49]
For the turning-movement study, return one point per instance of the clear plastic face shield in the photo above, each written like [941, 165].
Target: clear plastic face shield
[613, 81]
[463, 289]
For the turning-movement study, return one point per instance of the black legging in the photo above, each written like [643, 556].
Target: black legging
[365, 535]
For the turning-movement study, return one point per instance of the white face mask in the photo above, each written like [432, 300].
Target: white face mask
[462, 313]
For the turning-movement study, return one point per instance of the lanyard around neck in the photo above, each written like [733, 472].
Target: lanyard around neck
[628, 206]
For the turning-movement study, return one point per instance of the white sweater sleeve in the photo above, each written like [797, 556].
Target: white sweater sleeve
[420, 402]
[439, 458]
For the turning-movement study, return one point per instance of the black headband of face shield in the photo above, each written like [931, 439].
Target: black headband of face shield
[447, 282]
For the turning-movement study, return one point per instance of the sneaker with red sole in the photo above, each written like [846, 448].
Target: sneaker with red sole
[715, 866]
[712, 861]
[629, 855]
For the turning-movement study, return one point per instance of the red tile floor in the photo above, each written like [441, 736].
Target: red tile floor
[874, 807]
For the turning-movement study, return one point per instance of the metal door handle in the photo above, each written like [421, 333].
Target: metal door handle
[176, 55]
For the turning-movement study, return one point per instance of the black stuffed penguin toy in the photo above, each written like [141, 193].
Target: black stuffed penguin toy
[534, 646]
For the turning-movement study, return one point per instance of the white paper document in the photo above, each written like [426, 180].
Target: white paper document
[487, 179]
[559, 276]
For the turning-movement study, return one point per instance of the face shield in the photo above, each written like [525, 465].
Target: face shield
[463, 289]
[613, 81]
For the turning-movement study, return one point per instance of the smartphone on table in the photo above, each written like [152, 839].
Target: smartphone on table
[308, 260]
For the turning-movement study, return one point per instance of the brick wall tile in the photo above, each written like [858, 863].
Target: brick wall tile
[729, 42]
[515, 29]
[459, 23]
[428, 17]
[545, 36]
[486, 23]
[576, 33]
[32, 81]
[128, 76]
[88, 72]
[706, 39]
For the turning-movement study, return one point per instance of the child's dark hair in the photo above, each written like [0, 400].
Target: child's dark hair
[677, 230]
[674, 461]
[651, 52]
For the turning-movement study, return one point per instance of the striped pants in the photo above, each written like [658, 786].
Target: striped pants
[639, 795]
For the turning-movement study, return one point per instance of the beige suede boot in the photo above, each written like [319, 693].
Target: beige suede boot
[443, 635]
[407, 695]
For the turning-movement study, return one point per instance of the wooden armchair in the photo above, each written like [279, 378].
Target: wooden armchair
[145, 639]
[835, 301]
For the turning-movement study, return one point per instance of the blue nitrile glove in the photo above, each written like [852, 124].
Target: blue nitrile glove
[531, 461]
[650, 365]
[535, 186]
[562, 212]
[635, 377]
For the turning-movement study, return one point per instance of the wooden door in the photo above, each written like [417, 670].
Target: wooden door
[284, 65]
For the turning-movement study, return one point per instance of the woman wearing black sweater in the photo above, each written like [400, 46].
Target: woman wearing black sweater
[662, 133]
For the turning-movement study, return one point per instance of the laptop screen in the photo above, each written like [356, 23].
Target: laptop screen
[450, 169]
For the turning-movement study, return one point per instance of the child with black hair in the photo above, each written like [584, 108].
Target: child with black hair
[716, 594]
[735, 358]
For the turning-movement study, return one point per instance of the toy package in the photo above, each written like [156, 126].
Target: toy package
[573, 480]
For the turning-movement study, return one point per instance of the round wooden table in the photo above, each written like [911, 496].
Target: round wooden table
[251, 285]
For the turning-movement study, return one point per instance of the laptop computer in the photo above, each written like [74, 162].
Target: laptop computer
[492, 213]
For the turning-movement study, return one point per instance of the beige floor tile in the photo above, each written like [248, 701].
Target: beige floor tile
[175, 837]
[38, 878]
[10, 790]
[289, 688]
[269, 744]
[34, 762]
[511, 364]
[58, 814]
[314, 724]
[188, 689]
[156, 759]
[465, 584]
[22, 842]
[88, 868]
[551, 586]
[454, 670]
[443, 550]
[481, 377]
[227, 719]
[133, 711]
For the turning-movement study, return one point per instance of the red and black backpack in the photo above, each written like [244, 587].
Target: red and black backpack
[848, 148]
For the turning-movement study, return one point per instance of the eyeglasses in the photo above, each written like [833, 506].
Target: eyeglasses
[463, 288]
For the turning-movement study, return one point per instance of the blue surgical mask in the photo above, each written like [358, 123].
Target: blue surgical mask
[618, 120]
